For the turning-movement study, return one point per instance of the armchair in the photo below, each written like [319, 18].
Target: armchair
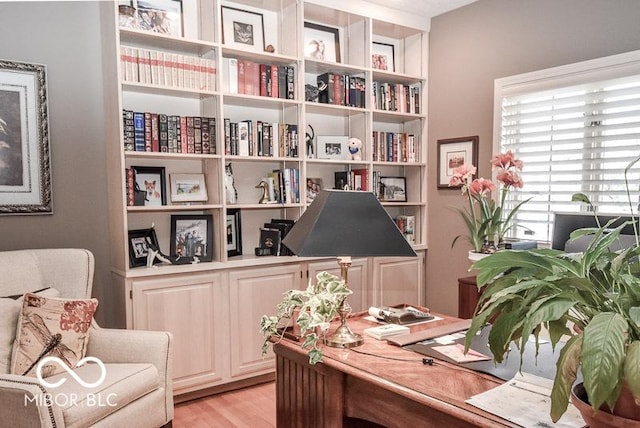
[137, 388]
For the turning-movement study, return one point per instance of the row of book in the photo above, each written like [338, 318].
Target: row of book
[341, 89]
[355, 179]
[395, 147]
[264, 80]
[167, 69]
[283, 186]
[158, 132]
[396, 97]
[259, 138]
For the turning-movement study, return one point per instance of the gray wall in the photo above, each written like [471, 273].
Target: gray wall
[65, 36]
[469, 48]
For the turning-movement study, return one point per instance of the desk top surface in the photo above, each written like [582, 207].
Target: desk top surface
[443, 385]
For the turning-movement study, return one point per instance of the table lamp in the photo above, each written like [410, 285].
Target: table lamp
[346, 224]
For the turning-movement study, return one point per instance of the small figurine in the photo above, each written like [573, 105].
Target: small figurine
[355, 149]
[230, 189]
[265, 191]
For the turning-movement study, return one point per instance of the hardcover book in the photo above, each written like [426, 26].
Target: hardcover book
[270, 239]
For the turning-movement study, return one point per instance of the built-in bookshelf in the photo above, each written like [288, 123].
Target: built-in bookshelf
[212, 101]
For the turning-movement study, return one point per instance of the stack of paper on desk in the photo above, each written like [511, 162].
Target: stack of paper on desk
[525, 400]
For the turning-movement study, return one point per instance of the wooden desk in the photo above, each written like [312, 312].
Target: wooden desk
[376, 383]
[468, 296]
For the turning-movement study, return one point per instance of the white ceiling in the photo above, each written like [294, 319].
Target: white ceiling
[426, 8]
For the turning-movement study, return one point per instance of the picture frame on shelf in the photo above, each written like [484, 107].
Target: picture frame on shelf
[157, 16]
[25, 179]
[313, 188]
[453, 153]
[383, 56]
[151, 180]
[332, 146]
[393, 189]
[242, 29]
[234, 233]
[139, 247]
[321, 42]
[192, 236]
[188, 188]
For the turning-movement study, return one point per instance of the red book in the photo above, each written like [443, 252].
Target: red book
[183, 134]
[241, 77]
[263, 80]
[274, 81]
[252, 78]
[155, 133]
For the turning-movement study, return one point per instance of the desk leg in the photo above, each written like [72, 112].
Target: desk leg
[306, 396]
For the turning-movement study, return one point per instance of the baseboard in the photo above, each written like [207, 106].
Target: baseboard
[194, 395]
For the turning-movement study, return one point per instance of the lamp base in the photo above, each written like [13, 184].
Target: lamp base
[343, 337]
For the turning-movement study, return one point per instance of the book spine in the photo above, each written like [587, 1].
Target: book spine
[129, 133]
[131, 179]
[138, 131]
[155, 133]
[233, 75]
[213, 132]
[227, 136]
[197, 134]
[291, 82]
[242, 88]
[206, 136]
[163, 127]
[282, 81]
[191, 139]
[183, 134]
[263, 80]
[243, 139]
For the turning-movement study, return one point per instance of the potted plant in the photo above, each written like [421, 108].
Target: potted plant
[484, 217]
[312, 310]
[597, 291]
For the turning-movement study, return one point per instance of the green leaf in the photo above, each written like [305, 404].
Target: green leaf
[603, 354]
[566, 373]
[580, 197]
[632, 368]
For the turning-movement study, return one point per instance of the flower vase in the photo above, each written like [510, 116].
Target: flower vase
[474, 256]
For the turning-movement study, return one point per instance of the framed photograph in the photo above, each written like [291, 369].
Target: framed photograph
[314, 186]
[158, 16]
[234, 233]
[192, 236]
[25, 169]
[321, 42]
[332, 146]
[139, 246]
[242, 29]
[151, 180]
[452, 153]
[188, 188]
[393, 189]
[382, 56]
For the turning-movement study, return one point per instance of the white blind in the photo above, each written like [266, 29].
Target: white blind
[571, 138]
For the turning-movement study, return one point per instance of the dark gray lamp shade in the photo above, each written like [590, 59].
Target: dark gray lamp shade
[343, 223]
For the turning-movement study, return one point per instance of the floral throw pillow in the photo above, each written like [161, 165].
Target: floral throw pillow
[51, 327]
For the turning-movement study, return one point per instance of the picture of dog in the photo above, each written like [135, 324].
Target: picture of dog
[150, 187]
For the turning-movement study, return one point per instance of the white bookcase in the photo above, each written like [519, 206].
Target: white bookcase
[145, 290]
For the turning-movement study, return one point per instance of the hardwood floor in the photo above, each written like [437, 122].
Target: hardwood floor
[251, 407]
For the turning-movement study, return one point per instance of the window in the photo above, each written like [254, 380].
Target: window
[576, 128]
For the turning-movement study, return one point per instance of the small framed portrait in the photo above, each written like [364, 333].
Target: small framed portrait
[192, 236]
[332, 146]
[321, 42]
[139, 246]
[393, 189]
[242, 29]
[158, 16]
[188, 188]
[151, 180]
[382, 56]
[234, 233]
[313, 187]
[453, 153]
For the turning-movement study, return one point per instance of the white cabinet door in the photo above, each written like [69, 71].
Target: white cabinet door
[255, 292]
[194, 309]
[398, 280]
[357, 280]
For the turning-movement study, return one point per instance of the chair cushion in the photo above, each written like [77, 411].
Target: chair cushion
[10, 309]
[51, 327]
[123, 384]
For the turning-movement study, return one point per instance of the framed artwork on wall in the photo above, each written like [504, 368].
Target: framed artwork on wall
[242, 29]
[321, 42]
[25, 169]
[192, 236]
[453, 153]
[151, 180]
[234, 233]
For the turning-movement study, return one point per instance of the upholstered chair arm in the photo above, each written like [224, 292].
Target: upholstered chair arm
[26, 403]
[136, 346]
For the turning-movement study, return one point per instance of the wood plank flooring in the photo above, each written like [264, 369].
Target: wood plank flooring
[251, 407]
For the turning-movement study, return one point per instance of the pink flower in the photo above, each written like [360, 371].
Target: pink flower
[461, 175]
[510, 178]
[481, 186]
[506, 160]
